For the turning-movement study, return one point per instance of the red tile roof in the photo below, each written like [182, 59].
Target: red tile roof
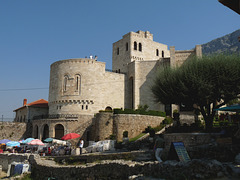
[38, 103]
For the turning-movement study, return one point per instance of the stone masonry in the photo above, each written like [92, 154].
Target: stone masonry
[106, 124]
[82, 87]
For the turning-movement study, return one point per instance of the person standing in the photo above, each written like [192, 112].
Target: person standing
[158, 147]
[81, 145]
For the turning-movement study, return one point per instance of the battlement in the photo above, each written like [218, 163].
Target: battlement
[77, 60]
[140, 34]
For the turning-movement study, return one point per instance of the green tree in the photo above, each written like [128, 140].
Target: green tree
[209, 82]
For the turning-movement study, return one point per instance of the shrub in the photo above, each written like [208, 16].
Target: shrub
[107, 110]
[139, 111]
[147, 129]
[117, 111]
[175, 111]
[112, 137]
[167, 120]
[151, 132]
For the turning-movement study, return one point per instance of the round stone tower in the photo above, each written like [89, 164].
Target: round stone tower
[82, 86]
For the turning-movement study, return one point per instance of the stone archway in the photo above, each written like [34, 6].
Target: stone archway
[45, 132]
[59, 131]
[35, 132]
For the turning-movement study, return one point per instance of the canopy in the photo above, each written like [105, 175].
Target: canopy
[233, 108]
[48, 140]
[28, 140]
[56, 141]
[70, 136]
[13, 143]
[36, 142]
[4, 141]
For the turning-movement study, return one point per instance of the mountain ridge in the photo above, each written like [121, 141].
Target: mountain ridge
[225, 44]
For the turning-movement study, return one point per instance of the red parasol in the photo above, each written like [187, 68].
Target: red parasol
[70, 136]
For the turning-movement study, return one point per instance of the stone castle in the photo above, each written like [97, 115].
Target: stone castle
[79, 88]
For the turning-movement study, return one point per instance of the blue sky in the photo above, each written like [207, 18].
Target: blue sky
[34, 34]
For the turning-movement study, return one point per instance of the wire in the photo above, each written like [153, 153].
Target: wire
[23, 89]
[103, 82]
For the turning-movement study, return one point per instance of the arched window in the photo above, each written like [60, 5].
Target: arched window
[78, 82]
[140, 46]
[157, 52]
[118, 51]
[135, 45]
[126, 46]
[162, 53]
[65, 83]
[108, 108]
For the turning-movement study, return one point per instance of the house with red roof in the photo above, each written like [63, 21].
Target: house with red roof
[29, 110]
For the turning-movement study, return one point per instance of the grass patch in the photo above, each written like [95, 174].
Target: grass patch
[26, 177]
[137, 137]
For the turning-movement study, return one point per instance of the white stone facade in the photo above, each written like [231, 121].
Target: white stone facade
[82, 87]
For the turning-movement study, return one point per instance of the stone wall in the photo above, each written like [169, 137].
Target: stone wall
[15, 130]
[107, 124]
[123, 169]
[21, 115]
[6, 159]
[177, 58]
[144, 74]
[189, 139]
[103, 125]
[134, 124]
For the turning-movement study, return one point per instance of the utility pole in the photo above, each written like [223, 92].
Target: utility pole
[2, 119]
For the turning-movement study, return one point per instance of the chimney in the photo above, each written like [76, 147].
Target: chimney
[24, 102]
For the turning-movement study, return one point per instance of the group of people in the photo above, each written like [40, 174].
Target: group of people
[60, 150]
[17, 149]
[52, 150]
